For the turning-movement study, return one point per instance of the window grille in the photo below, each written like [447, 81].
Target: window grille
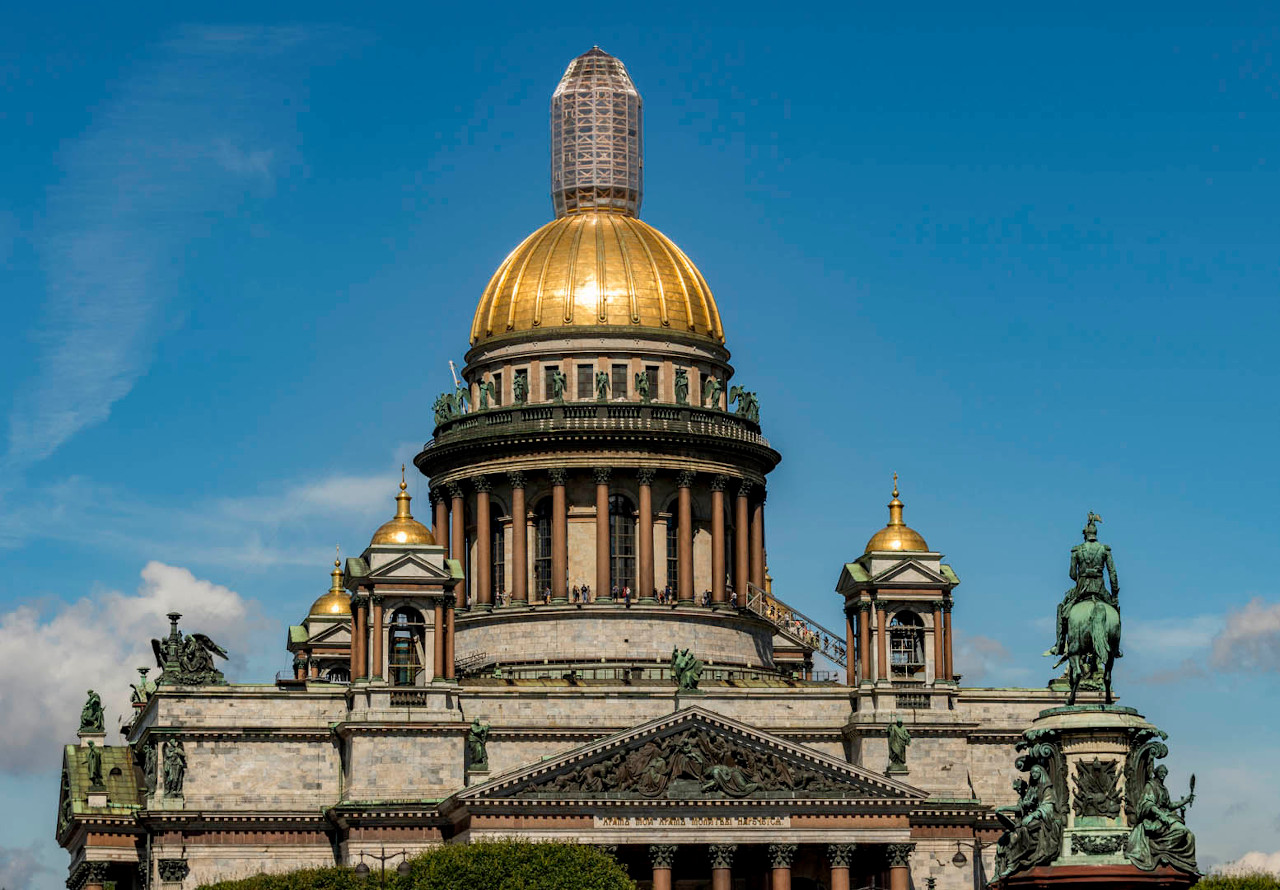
[541, 548]
[622, 544]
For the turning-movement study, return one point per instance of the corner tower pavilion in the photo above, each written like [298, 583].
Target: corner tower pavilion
[585, 645]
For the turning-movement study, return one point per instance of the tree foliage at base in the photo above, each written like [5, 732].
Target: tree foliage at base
[1258, 880]
[489, 865]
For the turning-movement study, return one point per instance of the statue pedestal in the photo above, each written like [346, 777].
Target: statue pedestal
[98, 738]
[1096, 877]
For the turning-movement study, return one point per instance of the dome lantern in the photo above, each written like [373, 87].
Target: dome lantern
[897, 535]
[336, 602]
[402, 528]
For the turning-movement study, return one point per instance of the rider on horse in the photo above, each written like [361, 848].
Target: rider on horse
[1088, 560]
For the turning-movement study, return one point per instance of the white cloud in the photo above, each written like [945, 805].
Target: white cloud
[979, 658]
[19, 866]
[1161, 637]
[1251, 639]
[49, 663]
[1253, 862]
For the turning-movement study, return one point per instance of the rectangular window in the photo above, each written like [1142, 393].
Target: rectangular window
[586, 381]
[548, 381]
[497, 388]
[619, 382]
[651, 371]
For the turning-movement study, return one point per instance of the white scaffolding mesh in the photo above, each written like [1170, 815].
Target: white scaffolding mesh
[597, 153]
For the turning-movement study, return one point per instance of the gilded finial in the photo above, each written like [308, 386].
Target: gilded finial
[337, 555]
[895, 485]
[403, 484]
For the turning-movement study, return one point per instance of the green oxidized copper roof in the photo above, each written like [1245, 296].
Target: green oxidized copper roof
[297, 634]
[124, 789]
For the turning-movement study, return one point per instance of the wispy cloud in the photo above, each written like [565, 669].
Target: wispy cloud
[19, 866]
[1251, 639]
[190, 134]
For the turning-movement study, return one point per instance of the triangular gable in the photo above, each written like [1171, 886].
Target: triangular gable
[410, 567]
[909, 571]
[692, 755]
[336, 633]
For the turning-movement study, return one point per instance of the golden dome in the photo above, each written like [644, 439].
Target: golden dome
[403, 528]
[597, 268]
[897, 535]
[334, 603]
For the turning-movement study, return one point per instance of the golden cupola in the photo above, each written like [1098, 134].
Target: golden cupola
[336, 602]
[402, 528]
[597, 265]
[897, 535]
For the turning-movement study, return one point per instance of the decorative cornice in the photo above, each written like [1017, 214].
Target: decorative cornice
[558, 475]
[780, 855]
[481, 484]
[602, 475]
[719, 483]
[662, 855]
[684, 479]
[722, 855]
[899, 854]
[840, 855]
[646, 475]
[515, 478]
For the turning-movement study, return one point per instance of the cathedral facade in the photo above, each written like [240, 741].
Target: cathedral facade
[583, 644]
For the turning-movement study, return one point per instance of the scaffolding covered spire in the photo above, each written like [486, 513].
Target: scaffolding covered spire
[597, 145]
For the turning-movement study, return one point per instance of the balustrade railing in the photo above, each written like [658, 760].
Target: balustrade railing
[797, 625]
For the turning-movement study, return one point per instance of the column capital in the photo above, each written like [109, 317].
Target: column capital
[359, 600]
[946, 605]
[435, 495]
[481, 484]
[744, 488]
[602, 474]
[171, 870]
[516, 478]
[376, 599]
[719, 482]
[455, 490]
[780, 855]
[899, 854]
[645, 475]
[722, 855]
[558, 476]
[684, 479]
[662, 855]
[608, 849]
[841, 855]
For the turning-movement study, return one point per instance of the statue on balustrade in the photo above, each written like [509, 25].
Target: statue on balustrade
[602, 386]
[681, 385]
[486, 394]
[1088, 625]
[686, 669]
[748, 404]
[642, 385]
[520, 389]
[461, 400]
[558, 383]
[711, 390]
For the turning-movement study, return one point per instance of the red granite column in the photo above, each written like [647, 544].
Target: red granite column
[559, 534]
[840, 856]
[900, 866]
[644, 550]
[742, 541]
[603, 590]
[780, 856]
[684, 537]
[939, 659]
[519, 541]
[458, 539]
[375, 665]
[358, 637]
[441, 530]
[438, 637]
[757, 546]
[662, 856]
[450, 609]
[882, 646]
[718, 485]
[722, 866]
[484, 571]
[864, 640]
[946, 639]
[850, 669]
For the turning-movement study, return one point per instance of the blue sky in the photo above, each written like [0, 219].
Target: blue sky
[1028, 259]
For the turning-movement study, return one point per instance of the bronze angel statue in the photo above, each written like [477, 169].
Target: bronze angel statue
[187, 659]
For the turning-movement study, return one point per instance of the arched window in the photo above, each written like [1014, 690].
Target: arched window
[406, 652]
[541, 548]
[338, 675]
[673, 549]
[906, 643]
[622, 544]
[498, 552]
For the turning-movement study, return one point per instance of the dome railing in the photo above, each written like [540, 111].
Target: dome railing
[603, 417]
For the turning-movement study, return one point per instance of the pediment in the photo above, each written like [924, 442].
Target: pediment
[335, 633]
[909, 571]
[410, 567]
[692, 755]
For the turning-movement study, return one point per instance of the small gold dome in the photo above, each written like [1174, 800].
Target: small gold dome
[403, 528]
[597, 268]
[336, 601]
[897, 535]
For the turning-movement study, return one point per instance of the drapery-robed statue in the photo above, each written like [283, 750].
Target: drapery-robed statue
[1088, 625]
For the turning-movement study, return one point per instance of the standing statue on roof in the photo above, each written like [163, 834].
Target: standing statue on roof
[91, 715]
[1088, 624]
[187, 659]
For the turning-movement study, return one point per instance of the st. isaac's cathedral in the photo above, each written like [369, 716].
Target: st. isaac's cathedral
[583, 644]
